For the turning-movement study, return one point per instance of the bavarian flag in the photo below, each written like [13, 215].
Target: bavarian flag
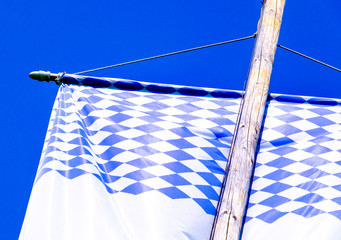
[133, 160]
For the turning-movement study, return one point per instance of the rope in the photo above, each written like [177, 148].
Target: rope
[310, 58]
[167, 54]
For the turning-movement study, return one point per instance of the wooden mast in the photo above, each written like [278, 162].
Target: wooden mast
[234, 198]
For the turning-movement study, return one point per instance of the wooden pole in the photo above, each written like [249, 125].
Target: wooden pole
[234, 198]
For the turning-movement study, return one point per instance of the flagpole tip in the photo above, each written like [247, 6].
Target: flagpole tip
[40, 75]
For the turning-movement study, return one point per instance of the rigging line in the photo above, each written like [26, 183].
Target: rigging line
[310, 58]
[168, 54]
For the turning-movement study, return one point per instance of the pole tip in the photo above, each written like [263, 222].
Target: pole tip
[40, 75]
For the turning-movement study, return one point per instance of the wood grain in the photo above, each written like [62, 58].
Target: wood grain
[234, 198]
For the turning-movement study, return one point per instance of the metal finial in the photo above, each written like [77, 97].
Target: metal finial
[45, 76]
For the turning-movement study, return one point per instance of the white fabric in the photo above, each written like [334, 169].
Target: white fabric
[120, 164]
[296, 190]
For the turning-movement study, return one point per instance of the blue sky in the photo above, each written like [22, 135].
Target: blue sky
[72, 36]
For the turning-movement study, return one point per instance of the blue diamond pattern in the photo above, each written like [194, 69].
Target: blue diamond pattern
[145, 138]
[280, 162]
[274, 201]
[278, 175]
[310, 198]
[299, 171]
[271, 216]
[302, 156]
[276, 187]
[308, 211]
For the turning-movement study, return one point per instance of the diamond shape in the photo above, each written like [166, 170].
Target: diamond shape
[156, 105]
[147, 138]
[118, 118]
[278, 175]
[287, 129]
[288, 118]
[188, 107]
[313, 173]
[281, 151]
[317, 149]
[72, 173]
[315, 161]
[276, 187]
[271, 216]
[321, 121]
[175, 179]
[137, 188]
[310, 198]
[275, 201]
[316, 132]
[281, 141]
[311, 186]
[288, 108]
[308, 211]
[150, 150]
[322, 139]
[177, 167]
[280, 162]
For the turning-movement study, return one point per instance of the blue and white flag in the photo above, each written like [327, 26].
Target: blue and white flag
[296, 188]
[131, 161]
